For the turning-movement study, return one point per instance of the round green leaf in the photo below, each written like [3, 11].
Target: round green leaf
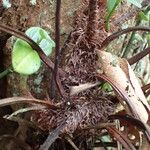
[143, 16]
[46, 45]
[42, 38]
[25, 60]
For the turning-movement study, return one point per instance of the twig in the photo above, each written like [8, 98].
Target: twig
[146, 87]
[52, 137]
[147, 93]
[126, 50]
[57, 36]
[139, 56]
[71, 143]
[14, 100]
[119, 33]
[100, 126]
[24, 110]
[123, 45]
[57, 54]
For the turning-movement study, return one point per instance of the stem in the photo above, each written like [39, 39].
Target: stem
[53, 135]
[57, 53]
[15, 100]
[139, 56]
[119, 33]
[6, 72]
[71, 143]
[125, 51]
[24, 110]
[57, 37]
[146, 87]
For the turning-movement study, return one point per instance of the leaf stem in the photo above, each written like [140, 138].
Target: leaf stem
[15, 100]
[57, 50]
[119, 33]
[6, 72]
[139, 56]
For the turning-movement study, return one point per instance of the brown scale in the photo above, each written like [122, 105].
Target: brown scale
[90, 107]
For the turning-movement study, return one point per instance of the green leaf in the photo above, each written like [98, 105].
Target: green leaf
[25, 60]
[41, 37]
[148, 39]
[106, 138]
[138, 37]
[143, 16]
[111, 6]
[136, 3]
[106, 87]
